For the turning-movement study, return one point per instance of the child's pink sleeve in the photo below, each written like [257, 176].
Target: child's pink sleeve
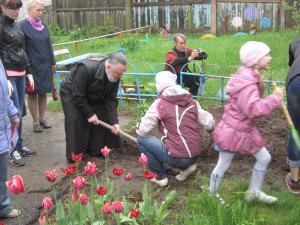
[253, 105]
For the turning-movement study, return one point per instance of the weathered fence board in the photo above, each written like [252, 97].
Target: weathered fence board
[179, 15]
[249, 13]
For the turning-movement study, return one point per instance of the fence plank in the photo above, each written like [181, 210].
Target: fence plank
[215, 15]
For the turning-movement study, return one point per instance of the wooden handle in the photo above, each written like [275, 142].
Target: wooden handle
[122, 133]
[285, 111]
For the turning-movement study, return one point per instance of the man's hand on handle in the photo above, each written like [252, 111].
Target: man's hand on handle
[116, 129]
[93, 120]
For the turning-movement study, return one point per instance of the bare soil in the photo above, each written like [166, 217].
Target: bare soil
[51, 155]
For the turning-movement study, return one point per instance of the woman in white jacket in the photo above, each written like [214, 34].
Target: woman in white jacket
[179, 118]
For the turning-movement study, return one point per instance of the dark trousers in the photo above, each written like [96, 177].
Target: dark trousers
[293, 104]
[5, 206]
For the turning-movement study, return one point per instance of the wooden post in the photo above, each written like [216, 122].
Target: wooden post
[190, 18]
[282, 15]
[77, 45]
[150, 30]
[53, 13]
[128, 14]
[213, 12]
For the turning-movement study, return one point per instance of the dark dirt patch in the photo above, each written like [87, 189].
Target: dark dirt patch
[51, 155]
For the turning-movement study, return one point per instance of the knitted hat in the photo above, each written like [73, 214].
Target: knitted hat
[164, 79]
[252, 51]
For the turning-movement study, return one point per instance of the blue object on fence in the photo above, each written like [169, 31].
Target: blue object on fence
[240, 34]
[265, 22]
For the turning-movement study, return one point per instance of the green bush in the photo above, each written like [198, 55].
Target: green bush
[130, 43]
[57, 31]
[294, 10]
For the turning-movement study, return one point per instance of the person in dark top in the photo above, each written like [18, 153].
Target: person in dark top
[177, 57]
[293, 104]
[40, 54]
[88, 95]
[16, 67]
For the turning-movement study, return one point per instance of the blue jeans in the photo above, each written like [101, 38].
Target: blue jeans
[293, 104]
[5, 206]
[157, 155]
[17, 97]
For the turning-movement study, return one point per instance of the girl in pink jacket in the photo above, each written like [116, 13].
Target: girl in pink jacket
[236, 132]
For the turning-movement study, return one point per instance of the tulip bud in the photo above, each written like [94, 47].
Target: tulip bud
[15, 185]
[84, 199]
[51, 175]
[90, 169]
[106, 208]
[134, 213]
[74, 196]
[101, 191]
[117, 171]
[47, 203]
[143, 159]
[128, 177]
[117, 206]
[79, 183]
[105, 151]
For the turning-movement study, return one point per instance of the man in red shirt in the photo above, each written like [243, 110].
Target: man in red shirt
[177, 57]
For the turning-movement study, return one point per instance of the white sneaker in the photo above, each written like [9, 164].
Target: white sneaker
[260, 196]
[13, 213]
[186, 173]
[163, 182]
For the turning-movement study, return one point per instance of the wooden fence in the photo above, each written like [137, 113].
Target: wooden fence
[215, 16]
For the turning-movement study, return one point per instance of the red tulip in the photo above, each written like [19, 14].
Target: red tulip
[84, 199]
[106, 208]
[105, 151]
[51, 175]
[90, 168]
[128, 177]
[42, 218]
[148, 175]
[117, 206]
[101, 191]
[79, 183]
[134, 213]
[47, 203]
[74, 196]
[15, 185]
[117, 171]
[143, 159]
[70, 170]
[1, 223]
[77, 158]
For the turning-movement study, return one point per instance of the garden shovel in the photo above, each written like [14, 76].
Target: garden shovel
[122, 133]
[293, 130]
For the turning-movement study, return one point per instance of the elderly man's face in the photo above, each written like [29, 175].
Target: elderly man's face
[115, 72]
[180, 44]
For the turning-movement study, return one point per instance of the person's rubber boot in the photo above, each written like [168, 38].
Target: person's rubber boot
[186, 173]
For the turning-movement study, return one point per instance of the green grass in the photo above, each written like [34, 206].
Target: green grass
[223, 51]
[200, 208]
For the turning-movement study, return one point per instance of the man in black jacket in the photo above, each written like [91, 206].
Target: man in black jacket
[88, 95]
